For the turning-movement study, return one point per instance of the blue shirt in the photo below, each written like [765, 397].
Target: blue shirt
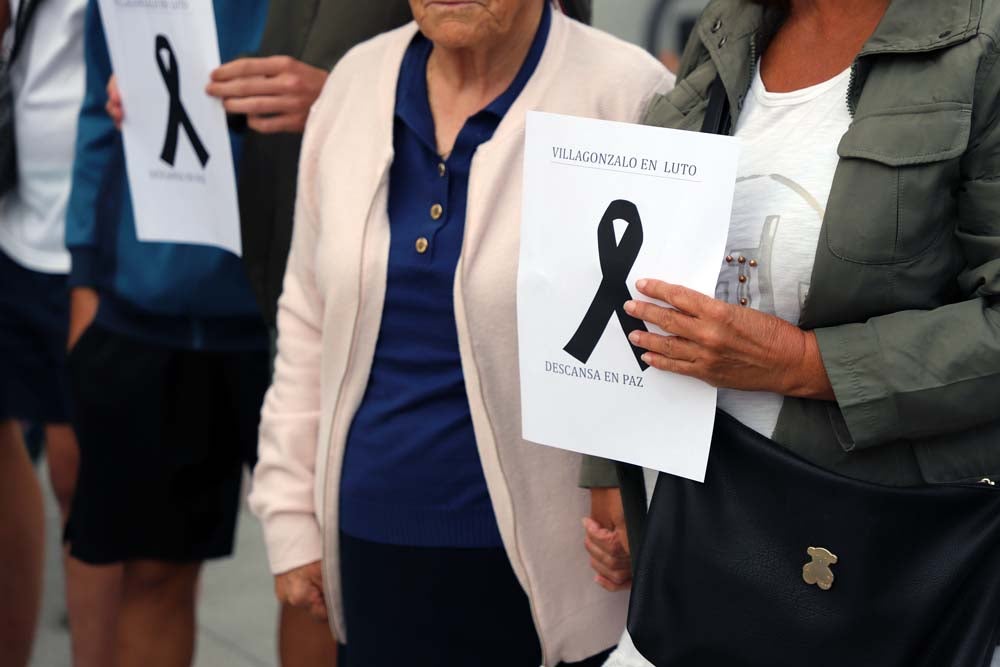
[412, 474]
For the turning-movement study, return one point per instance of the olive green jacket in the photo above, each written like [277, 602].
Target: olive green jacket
[905, 292]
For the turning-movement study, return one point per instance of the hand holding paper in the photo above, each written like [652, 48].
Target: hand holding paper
[728, 346]
[605, 204]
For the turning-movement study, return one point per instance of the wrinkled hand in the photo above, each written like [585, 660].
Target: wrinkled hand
[728, 346]
[114, 104]
[275, 93]
[82, 311]
[607, 540]
[303, 588]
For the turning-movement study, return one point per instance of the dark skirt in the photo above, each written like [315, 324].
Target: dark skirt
[428, 607]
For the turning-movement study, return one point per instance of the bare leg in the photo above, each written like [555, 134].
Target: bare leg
[63, 458]
[93, 593]
[93, 597]
[22, 541]
[303, 641]
[157, 623]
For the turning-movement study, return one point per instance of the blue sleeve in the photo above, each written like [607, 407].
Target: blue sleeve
[96, 146]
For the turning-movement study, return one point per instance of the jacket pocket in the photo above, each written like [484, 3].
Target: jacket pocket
[895, 190]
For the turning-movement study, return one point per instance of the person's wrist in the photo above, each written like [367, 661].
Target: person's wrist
[807, 376]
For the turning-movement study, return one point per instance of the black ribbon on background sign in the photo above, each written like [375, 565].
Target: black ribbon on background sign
[616, 261]
[178, 115]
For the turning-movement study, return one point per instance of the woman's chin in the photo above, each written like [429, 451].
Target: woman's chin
[456, 26]
[454, 34]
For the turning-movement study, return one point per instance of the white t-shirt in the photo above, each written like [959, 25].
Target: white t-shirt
[789, 156]
[48, 85]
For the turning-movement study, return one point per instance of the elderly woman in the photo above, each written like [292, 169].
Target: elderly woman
[396, 493]
[856, 323]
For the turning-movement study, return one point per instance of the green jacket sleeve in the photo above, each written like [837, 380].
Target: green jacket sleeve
[916, 374]
[598, 473]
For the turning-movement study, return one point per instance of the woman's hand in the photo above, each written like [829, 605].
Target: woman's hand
[728, 346]
[275, 93]
[114, 105]
[607, 541]
[303, 588]
[83, 305]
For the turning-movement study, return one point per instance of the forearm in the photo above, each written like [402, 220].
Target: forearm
[282, 494]
[916, 374]
[83, 306]
[96, 145]
[285, 475]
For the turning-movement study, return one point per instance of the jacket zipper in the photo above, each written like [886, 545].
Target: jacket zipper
[852, 93]
[743, 96]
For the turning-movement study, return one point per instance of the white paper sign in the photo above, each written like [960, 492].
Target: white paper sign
[177, 149]
[606, 204]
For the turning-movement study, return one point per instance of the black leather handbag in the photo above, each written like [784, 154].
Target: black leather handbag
[774, 562]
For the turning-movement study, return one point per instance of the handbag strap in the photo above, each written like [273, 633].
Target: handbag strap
[26, 12]
[718, 120]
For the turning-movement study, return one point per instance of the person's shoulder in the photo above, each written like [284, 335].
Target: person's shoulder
[609, 77]
[602, 52]
[371, 53]
[364, 67]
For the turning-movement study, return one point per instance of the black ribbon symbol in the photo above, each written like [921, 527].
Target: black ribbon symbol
[616, 262]
[178, 114]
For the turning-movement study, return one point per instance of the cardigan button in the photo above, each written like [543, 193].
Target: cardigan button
[437, 211]
[422, 244]
[442, 169]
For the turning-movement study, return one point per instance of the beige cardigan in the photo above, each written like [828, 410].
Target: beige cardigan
[331, 310]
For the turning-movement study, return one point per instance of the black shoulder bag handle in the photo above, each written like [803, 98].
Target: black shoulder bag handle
[717, 121]
[775, 562]
[25, 14]
[8, 139]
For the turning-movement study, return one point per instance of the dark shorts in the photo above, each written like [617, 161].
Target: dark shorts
[164, 436]
[34, 324]
[427, 607]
